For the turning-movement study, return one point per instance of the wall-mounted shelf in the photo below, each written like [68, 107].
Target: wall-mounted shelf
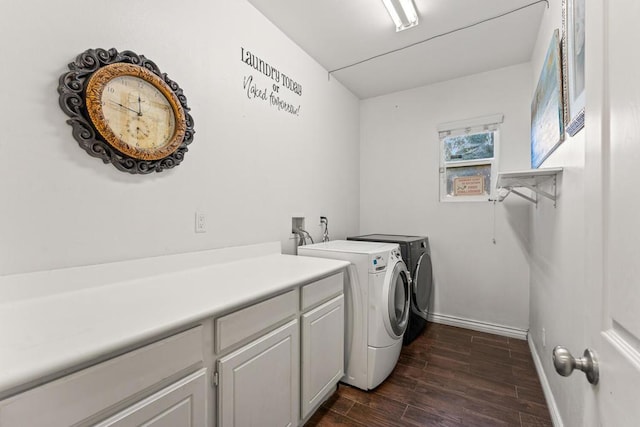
[530, 179]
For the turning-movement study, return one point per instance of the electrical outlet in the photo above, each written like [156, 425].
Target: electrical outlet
[201, 222]
[544, 338]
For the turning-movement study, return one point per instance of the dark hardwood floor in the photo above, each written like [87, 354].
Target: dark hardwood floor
[447, 377]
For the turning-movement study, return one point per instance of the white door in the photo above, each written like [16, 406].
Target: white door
[259, 383]
[613, 209]
[322, 352]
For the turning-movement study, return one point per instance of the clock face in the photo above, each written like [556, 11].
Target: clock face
[135, 111]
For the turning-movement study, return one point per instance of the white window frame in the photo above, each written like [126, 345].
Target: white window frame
[470, 126]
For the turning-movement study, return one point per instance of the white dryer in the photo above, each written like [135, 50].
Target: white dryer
[377, 291]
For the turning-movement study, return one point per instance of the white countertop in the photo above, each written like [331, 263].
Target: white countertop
[43, 335]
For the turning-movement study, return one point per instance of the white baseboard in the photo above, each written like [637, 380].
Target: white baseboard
[546, 388]
[476, 325]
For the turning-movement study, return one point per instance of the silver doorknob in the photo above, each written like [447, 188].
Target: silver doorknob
[565, 363]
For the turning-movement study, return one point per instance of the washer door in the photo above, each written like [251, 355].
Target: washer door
[399, 299]
[422, 286]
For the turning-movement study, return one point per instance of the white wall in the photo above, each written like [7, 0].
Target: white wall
[250, 167]
[399, 184]
[558, 257]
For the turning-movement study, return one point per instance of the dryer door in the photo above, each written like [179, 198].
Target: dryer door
[422, 286]
[399, 298]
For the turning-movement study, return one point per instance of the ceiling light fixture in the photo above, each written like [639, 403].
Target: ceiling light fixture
[402, 12]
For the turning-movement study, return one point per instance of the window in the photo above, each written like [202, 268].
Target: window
[469, 159]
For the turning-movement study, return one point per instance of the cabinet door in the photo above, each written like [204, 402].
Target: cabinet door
[322, 352]
[259, 383]
[182, 404]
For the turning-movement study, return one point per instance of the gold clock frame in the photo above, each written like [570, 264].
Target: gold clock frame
[80, 91]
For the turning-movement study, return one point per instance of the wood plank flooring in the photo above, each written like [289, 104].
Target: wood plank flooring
[447, 377]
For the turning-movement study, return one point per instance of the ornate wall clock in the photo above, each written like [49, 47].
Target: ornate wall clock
[125, 111]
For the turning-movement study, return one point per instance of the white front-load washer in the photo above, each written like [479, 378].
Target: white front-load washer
[377, 292]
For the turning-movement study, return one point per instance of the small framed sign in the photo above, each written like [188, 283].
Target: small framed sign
[468, 185]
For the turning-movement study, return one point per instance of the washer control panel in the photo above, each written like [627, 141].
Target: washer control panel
[378, 263]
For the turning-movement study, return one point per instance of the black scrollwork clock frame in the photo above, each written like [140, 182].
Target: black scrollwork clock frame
[72, 89]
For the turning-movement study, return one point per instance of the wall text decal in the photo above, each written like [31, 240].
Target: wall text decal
[260, 91]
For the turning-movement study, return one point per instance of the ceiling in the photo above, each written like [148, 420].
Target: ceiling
[337, 33]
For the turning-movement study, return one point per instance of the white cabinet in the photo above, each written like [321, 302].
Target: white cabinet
[278, 360]
[182, 404]
[106, 387]
[322, 352]
[256, 352]
[259, 383]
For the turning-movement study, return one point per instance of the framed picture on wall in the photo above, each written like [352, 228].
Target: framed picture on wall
[573, 55]
[547, 111]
